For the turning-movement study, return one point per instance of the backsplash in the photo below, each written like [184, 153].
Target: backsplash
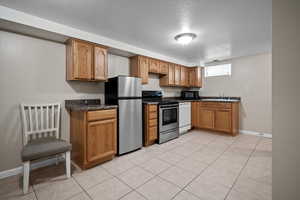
[118, 65]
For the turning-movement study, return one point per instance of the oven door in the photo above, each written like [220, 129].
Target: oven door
[168, 117]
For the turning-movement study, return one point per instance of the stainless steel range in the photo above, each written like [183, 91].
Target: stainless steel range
[168, 115]
[168, 122]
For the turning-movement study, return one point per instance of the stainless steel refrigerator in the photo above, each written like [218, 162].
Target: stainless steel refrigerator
[126, 92]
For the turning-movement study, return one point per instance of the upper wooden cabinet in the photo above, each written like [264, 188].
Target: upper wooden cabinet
[163, 67]
[169, 79]
[139, 67]
[153, 65]
[177, 75]
[171, 74]
[195, 77]
[100, 63]
[184, 76]
[86, 61]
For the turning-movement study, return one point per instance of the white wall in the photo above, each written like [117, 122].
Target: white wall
[250, 80]
[33, 71]
[286, 99]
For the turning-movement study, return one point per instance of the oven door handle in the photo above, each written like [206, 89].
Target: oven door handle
[168, 106]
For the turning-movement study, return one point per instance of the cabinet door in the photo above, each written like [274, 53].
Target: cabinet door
[177, 75]
[101, 139]
[171, 74]
[184, 77]
[143, 69]
[198, 77]
[100, 63]
[205, 118]
[223, 120]
[195, 107]
[83, 62]
[154, 66]
[163, 68]
[191, 76]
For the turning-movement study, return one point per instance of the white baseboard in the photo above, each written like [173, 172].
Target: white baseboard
[35, 165]
[266, 135]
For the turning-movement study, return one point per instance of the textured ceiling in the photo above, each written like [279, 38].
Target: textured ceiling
[225, 28]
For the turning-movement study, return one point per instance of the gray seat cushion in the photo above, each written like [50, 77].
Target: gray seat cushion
[44, 147]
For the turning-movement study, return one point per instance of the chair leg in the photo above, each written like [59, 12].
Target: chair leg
[68, 164]
[26, 169]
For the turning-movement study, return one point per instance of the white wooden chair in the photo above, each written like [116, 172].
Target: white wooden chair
[41, 137]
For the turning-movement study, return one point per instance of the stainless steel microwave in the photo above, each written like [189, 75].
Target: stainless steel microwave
[190, 94]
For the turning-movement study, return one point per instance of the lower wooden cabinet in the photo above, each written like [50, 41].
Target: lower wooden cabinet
[223, 120]
[206, 118]
[101, 139]
[150, 124]
[216, 116]
[93, 136]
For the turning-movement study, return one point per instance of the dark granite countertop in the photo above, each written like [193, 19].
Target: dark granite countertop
[87, 105]
[205, 99]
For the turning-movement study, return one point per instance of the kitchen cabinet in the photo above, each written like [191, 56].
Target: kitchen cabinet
[184, 76]
[217, 116]
[196, 77]
[150, 124]
[169, 79]
[100, 63]
[153, 65]
[171, 75]
[177, 75]
[163, 68]
[93, 135]
[206, 118]
[86, 61]
[139, 67]
[223, 120]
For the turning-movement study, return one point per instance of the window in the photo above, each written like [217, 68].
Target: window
[218, 70]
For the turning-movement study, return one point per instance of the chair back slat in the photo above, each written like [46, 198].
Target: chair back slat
[36, 120]
[47, 117]
[30, 119]
[52, 119]
[40, 121]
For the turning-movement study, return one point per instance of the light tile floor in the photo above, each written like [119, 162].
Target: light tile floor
[199, 165]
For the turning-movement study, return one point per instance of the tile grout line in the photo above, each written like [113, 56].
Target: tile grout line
[154, 175]
[83, 189]
[202, 170]
[156, 155]
[132, 189]
[236, 179]
[206, 167]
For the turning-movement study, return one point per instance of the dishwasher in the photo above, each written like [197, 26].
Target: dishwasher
[184, 117]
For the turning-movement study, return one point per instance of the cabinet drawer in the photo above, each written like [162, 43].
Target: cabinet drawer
[152, 108]
[153, 115]
[152, 133]
[101, 114]
[152, 122]
[215, 105]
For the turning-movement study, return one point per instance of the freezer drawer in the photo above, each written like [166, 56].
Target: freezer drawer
[130, 136]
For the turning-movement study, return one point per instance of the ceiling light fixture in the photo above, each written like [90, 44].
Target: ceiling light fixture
[185, 38]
